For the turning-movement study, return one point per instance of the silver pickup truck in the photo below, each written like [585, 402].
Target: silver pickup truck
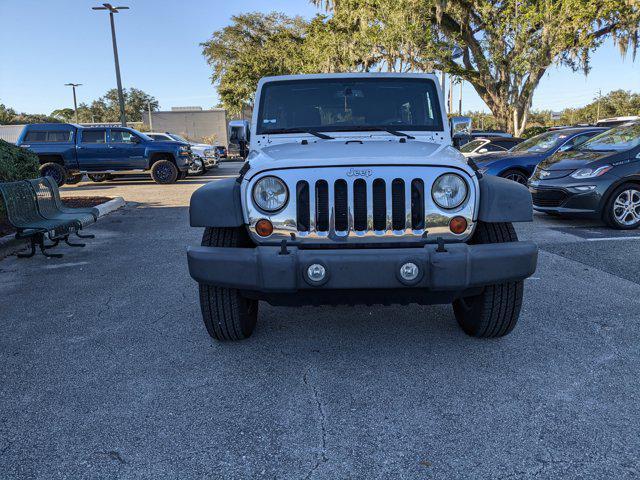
[352, 193]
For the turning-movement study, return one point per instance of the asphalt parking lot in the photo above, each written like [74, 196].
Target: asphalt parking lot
[106, 370]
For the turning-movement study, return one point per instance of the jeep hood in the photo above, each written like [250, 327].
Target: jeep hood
[330, 153]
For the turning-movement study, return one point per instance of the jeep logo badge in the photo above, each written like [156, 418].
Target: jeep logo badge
[354, 172]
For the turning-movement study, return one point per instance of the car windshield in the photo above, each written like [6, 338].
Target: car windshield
[349, 104]
[619, 138]
[541, 143]
[471, 146]
[178, 138]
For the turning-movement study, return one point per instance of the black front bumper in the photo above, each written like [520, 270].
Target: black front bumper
[267, 269]
[562, 195]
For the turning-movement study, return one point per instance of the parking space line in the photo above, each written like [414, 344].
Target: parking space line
[607, 239]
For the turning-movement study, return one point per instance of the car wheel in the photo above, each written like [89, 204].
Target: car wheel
[73, 179]
[226, 313]
[55, 171]
[516, 176]
[197, 168]
[164, 172]
[622, 210]
[98, 177]
[494, 312]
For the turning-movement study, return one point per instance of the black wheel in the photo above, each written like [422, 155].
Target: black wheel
[226, 313]
[73, 179]
[515, 175]
[495, 311]
[622, 210]
[198, 167]
[98, 177]
[164, 172]
[55, 171]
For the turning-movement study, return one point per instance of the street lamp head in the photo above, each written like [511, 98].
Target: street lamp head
[108, 6]
[73, 84]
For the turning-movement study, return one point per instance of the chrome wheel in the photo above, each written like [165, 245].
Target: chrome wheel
[626, 207]
[517, 177]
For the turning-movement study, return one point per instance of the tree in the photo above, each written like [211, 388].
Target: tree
[253, 46]
[507, 46]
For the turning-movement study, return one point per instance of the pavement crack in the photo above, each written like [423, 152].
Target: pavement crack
[114, 455]
[322, 456]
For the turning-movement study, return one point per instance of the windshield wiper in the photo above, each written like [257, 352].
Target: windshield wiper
[300, 130]
[368, 128]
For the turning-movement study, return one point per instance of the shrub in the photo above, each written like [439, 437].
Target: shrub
[16, 164]
[533, 131]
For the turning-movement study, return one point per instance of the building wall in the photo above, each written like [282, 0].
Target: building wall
[10, 133]
[195, 125]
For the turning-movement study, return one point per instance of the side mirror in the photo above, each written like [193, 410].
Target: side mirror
[483, 150]
[460, 126]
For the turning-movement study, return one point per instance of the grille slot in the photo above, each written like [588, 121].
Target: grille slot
[417, 204]
[360, 205]
[341, 206]
[322, 206]
[302, 206]
[397, 204]
[549, 198]
[379, 205]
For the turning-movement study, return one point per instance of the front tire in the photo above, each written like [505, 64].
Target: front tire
[495, 311]
[622, 210]
[226, 313]
[55, 171]
[516, 176]
[164, 172]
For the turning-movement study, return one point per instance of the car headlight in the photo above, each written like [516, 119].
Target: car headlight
[449, 190]
[209, 153]
[270, 194]
[591, 172]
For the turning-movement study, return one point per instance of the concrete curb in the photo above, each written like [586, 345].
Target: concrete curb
[110, 206]
[10, 245]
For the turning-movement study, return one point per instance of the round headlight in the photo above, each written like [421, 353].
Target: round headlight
[449, 190]
[270, 194]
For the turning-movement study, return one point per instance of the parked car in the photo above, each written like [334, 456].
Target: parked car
[67, 151]
[599, 179]
[220, 151]
[238, 133]
[350, 195]
[519, 163]
[204, 155]
[615, 121]
[482, 145]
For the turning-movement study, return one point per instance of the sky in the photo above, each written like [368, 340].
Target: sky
[46, 44]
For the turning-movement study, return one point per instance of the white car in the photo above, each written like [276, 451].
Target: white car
[201, 151]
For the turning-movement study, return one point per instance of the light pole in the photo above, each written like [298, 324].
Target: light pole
[75, 103]
[112, 10]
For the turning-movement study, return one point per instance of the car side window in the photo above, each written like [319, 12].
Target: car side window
[491, 147]
[94, 136]
[578, 139]
[122, 136]
[35, 136]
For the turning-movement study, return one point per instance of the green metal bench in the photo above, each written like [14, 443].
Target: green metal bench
[51, 207]
[22, 212]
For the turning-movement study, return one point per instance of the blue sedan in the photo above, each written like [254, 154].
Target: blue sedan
[518, 163]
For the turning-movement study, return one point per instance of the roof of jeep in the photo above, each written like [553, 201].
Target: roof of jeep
[316, 76]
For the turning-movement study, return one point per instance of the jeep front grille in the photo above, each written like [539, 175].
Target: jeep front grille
[327, 205]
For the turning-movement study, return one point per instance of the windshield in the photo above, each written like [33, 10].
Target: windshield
[178, 138]
[619, 138]
[356, 104]
[471, 146]
[541, 143]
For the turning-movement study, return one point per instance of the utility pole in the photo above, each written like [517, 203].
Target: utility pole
[75, 103]
[112, 10]
[450, 94]
[598, 106]
[460, 100]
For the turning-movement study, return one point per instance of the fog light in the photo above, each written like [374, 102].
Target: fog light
[264, 227]
[409, 271]
[458, 225]
[316, 272]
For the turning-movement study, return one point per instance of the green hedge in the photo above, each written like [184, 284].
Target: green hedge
[16, 164]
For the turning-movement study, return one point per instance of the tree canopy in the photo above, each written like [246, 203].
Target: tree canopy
[507, 46]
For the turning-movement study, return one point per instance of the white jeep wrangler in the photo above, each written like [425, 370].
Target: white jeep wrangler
[352, 193]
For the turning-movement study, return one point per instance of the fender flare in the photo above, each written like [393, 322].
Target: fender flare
[217, 204]
[503, 200]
